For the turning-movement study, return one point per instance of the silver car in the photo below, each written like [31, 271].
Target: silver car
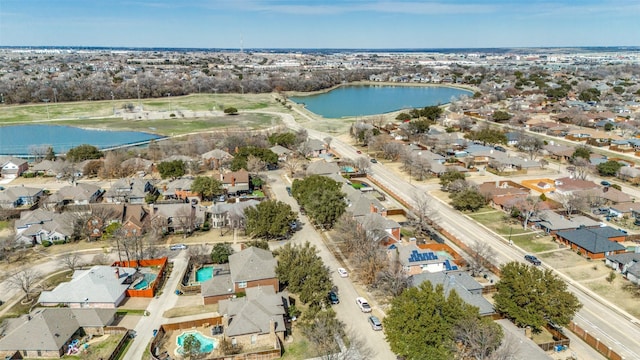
[375, 323]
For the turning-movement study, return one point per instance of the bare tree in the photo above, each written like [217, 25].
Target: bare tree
[362, 164]
[424, 210]
[25, 281]
[392, 280]
[327, 140]
[420, 168]
[101, 259]
[255, 165]
[477, 338]
[185, 218]
[482, 255]
[582, 168]
[572, 202]
[71, 261]
[528, 208]
[293, 165]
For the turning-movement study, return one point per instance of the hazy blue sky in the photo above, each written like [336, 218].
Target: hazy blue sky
[320, 24]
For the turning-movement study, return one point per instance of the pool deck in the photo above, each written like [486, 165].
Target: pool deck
[171, 345]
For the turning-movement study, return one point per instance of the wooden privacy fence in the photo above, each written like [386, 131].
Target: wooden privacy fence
[594, 342]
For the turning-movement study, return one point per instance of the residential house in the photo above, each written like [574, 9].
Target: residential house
[129, 190]
[594, 243]
[12, 167]
[630, 174]
[502, 190]
[568, 185]
[559, 152]
[415, 260]
[379, 228]
[135, 221]
[216, 158]
[229, 214]
[251, 267]
[322, 167]
[102, 215]
[624, 209]
[178, 189]
[255, 320]
[314, 148]
[628, 264]
[282, 152]
[177, 217]
[465, 286]
[52, 168]
[101, 286]
[20, 196]
[43, 226]
[604, 196]
[77, 194]
[552, 222]
[235, 182]
[48, 332]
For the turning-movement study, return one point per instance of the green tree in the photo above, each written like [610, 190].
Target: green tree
[488, 136]
[303, 272]
[83, 152]
[191, 346]
[592, 94]
[421, 321]
[500, 115]
[321, 197]
[403, 117]
[581, 152]
[532, 297]
[286, 139]
[221, 252]
[51, 154]
[450, 176]
[469, 199]
[269, 219]
[207, 187]
[230, 110]
[242, 155]
[609, 168]
[432, 112]
[419, 126]
[171, 169]
[609, 126]
[260, 244]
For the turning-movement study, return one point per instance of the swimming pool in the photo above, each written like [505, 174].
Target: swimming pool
[206, 344]
[204, 273]
[148, 279]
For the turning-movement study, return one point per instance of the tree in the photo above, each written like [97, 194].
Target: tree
[591, 94]
[528, 208]
[221, 252]
[292, 165]
[171, 169]
[83, 152]
[241, 157]
[50, 155]
[532, 297]
[24, 280]
[609, 168]
[582, 167]
[470, 199]
[322, 329]
[303, 272]
[421, 321]
[286, 139]
[230, 111]
[531, 145]
[581, 152]
[71, 261]
[321, 197]
[500, 115]
[392, 280]
[191, 346]
[207, 187]
[481, 256]
[488, 136]
[479, 338]
[269, 219]
[573, 202]
[450, 176]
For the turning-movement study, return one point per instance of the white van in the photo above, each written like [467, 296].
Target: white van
[178, 247]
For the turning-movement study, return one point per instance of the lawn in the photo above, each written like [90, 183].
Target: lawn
[190, 310]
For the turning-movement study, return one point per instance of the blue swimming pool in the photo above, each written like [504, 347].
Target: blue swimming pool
[148, 279]
[204, 273]
[206, 344]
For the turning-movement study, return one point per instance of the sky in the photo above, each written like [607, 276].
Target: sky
[335, 24]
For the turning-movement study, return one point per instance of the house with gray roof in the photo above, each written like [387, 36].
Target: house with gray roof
[552, 222]
[254, 320]
[223, 214]
[129, 190]
[101, 286]
[594, 243]
[314, 147]
[177, 217]
[625, 262]
[47, 332]
[469, 290]
[249, 268]
[20, 196]
[43, 226]
[322, 167]
[76, 194]
[379, 228]
[12, 167]
[282, 152]
[51, 168]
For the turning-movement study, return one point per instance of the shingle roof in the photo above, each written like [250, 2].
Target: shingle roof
[252, 264]
[253, 314]
[322, 168]
[595, 240]
[454, 281]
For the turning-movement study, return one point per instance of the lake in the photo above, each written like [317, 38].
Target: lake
[18, 139]
[363, 100]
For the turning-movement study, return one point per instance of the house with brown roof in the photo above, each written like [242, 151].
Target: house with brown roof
[568, 185]
[12, 167]
[215, 158]
[235, 182]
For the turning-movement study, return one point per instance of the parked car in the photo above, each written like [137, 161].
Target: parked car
[289, 190]
[342, 272]
[178, 247]
[363, 304]
[359, 152]
[500, 148]
[375, 323]
[605, 183]
[374, 161]
[333, 298]
[532, 259]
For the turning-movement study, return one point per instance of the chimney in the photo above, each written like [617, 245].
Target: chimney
[233, 180]
[117, 273]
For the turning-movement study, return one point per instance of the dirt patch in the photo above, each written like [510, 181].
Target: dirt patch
[135, 303]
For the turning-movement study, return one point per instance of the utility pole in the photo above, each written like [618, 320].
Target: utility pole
[46, 101]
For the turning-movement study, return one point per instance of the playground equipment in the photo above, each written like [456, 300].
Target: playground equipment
[73, 347]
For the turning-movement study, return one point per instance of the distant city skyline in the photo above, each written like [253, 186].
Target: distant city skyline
[350, 24]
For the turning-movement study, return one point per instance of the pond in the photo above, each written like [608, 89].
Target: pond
[20, 139]
[347, 101]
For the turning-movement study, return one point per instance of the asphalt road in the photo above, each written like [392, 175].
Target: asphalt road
[357, 326]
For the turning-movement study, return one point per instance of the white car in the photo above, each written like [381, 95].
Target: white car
[342, 272]
[363, 304]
